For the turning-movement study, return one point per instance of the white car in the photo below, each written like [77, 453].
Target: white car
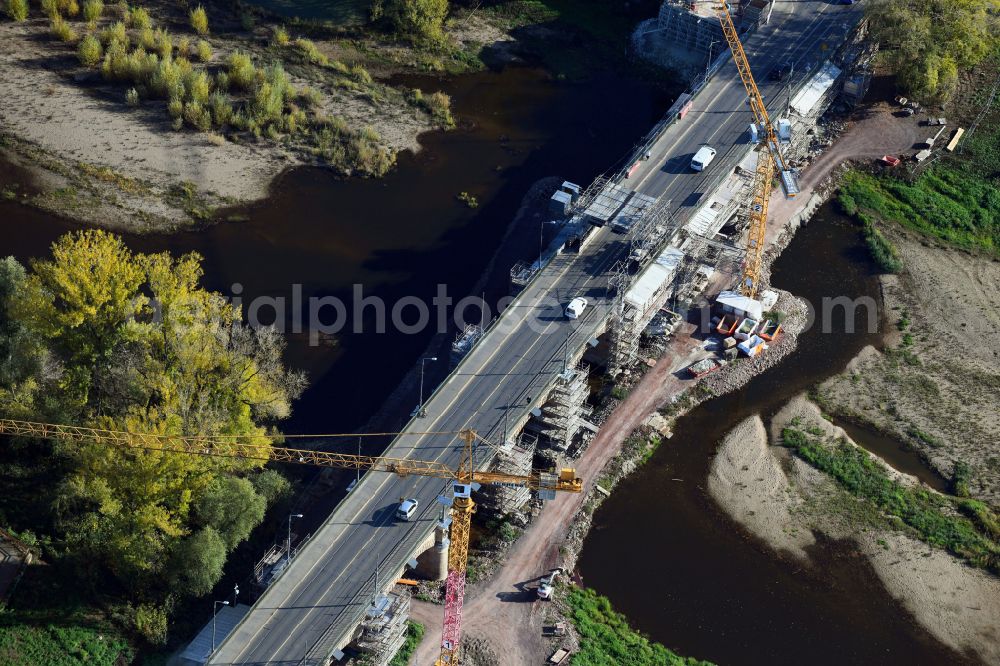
[576, 307]
[406, 510]
[703, 158]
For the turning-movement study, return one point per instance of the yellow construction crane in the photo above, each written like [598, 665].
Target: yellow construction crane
[464, 478]
[766, 160]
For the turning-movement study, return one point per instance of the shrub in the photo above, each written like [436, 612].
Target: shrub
[197, 116]
[132, 97]
[204, 50]
[197, 85]
[139, 19]
[89, 52]
[177, 123]
[17, 10]
[360, 74]
[117, 33]
[309, 96]
[164, 44]
[216, 139]
[72, 8]
[147, 39]
[175, 107]
[279, 36]
[241, 70]
[439, 105]
[221, 107]
[183, 47]
[222, 81]
[151, 623]
[50, 8]
[312, 54]
[167, 80]
[62, 30]
[199, 20]
[113, 68]
[92, 10]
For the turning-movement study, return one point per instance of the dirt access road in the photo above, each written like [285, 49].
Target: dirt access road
[502, 610]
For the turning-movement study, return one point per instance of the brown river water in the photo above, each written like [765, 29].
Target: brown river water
[680, 570]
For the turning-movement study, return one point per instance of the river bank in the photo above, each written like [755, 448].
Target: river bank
[137, 164]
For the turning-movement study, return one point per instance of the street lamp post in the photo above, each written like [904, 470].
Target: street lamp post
[420, 412]
[215, 610]
[288, 543]
[708, 65]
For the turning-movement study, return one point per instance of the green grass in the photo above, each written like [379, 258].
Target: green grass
[932, 517]
[414, 634]
[606, 638]
[61, 646]
[957, 204]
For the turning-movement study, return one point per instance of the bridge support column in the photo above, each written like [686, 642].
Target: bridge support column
[432, 563]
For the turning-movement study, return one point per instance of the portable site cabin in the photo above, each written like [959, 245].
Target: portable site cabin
[752, 346]
[742, 306]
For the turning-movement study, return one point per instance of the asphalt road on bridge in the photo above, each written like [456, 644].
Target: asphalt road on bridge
[319, 599]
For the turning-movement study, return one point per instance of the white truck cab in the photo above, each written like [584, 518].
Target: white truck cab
[703, 158]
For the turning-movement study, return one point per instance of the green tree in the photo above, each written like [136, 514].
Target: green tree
[928, 41]
[232, 507]
[198, 561]
[420, 20]
[199, 20]
[17, 10]
[133, 342]
[272, 485]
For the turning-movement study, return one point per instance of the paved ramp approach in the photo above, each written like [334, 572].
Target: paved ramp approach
[318, 601]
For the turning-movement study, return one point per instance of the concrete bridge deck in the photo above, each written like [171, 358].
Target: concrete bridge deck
[317, 602]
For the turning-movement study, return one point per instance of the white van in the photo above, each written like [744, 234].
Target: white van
[576, 307]
[703, 158]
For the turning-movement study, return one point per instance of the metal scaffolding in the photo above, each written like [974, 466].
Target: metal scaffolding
[383, 630]
[510, 459]
[566, 406]
[620, 353]
[464, 342]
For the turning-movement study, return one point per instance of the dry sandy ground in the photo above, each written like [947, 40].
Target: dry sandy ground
[954, 602]
[60, 121]
[748, 482]
[943, 397]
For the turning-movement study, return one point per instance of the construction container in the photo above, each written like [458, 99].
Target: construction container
[769, 330]
[727, 325]
[703, 367]
[746, 329]
[752, 346]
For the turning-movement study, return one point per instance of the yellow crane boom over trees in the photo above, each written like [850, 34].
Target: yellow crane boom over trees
[766, 161]
[463, 477]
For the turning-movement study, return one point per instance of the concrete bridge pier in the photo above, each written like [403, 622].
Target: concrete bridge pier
[432, 561]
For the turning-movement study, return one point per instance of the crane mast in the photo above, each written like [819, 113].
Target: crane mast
[767, 160]
[462, 506]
